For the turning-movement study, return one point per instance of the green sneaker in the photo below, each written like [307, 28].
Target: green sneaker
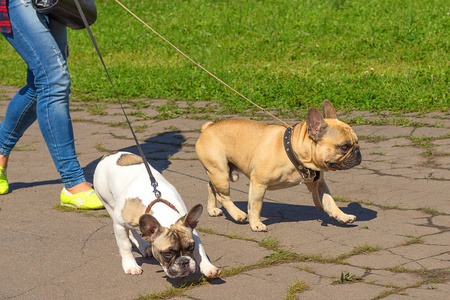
[4, 186]
[83, 200]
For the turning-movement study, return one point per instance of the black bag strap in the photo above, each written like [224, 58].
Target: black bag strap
[152, 178]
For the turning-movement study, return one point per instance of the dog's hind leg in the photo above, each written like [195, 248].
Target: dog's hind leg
[219, 190]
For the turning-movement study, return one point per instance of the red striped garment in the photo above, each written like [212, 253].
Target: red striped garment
[5, 24]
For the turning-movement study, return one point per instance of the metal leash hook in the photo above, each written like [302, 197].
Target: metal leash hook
[155, 190]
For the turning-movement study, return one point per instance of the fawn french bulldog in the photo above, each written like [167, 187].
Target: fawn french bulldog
[275, 157]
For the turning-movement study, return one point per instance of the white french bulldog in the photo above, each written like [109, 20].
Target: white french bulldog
[122, 183]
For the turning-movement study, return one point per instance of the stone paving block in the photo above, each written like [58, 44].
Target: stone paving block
[430, 132]
[390, 190]
[420, 251]
[330, 272]
[343, 291]
[442, 239]
[431, 291]
[387, 278]
[443, 221]
[434, 262]
[377, 260]
[379, 130]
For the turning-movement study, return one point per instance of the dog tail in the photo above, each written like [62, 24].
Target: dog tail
[206, 125]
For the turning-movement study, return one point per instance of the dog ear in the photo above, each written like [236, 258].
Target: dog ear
[315, 124]
[150, 227]
[328, 110]
[193, 216]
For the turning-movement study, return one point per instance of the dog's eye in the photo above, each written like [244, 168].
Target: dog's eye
[345, 147]
[168, 254]
[191, 247]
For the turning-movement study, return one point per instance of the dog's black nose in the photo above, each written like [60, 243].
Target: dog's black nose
[184, 263]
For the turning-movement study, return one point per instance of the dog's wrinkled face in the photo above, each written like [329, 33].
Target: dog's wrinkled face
[175, 254]
[335, 143]
[339, 148]
[173, 247]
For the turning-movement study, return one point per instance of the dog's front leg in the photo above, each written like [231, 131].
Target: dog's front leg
[206, 267]
[129, 264]
[329, 206]
[255, 201]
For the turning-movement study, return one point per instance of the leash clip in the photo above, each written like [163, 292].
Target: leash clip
[155, 190]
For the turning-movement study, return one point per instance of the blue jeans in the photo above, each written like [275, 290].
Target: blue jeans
[42, 43]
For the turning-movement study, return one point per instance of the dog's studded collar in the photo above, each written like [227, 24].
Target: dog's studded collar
[307, 174]
[149, 207]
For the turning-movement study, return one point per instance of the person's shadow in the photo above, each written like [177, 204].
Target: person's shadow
[156, 149]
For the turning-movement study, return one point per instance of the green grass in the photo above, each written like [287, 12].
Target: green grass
[270, 243]
[284, 54]
[363, 249]
[96, 109]
[346, 278]
[297, 288]
[413, 240]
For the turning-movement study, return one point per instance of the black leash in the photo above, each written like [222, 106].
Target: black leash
[152, 179]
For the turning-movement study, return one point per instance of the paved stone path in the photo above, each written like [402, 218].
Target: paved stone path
[398, 248]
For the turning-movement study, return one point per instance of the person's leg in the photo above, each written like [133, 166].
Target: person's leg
[20, 114]
[43, 46]
[71, 174]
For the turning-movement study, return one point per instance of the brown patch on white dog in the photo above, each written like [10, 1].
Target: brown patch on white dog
[129, 160]
[132, 210]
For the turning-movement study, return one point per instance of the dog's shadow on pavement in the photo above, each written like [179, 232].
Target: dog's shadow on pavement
[273, 213]
[157, 149]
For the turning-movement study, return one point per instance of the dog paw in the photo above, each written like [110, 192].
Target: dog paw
[211, 272]
[259, 226]
[238, 215]
[346, 219]
[132, 268]
[215, 212]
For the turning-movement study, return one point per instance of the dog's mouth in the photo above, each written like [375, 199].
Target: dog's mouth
[352, 159]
